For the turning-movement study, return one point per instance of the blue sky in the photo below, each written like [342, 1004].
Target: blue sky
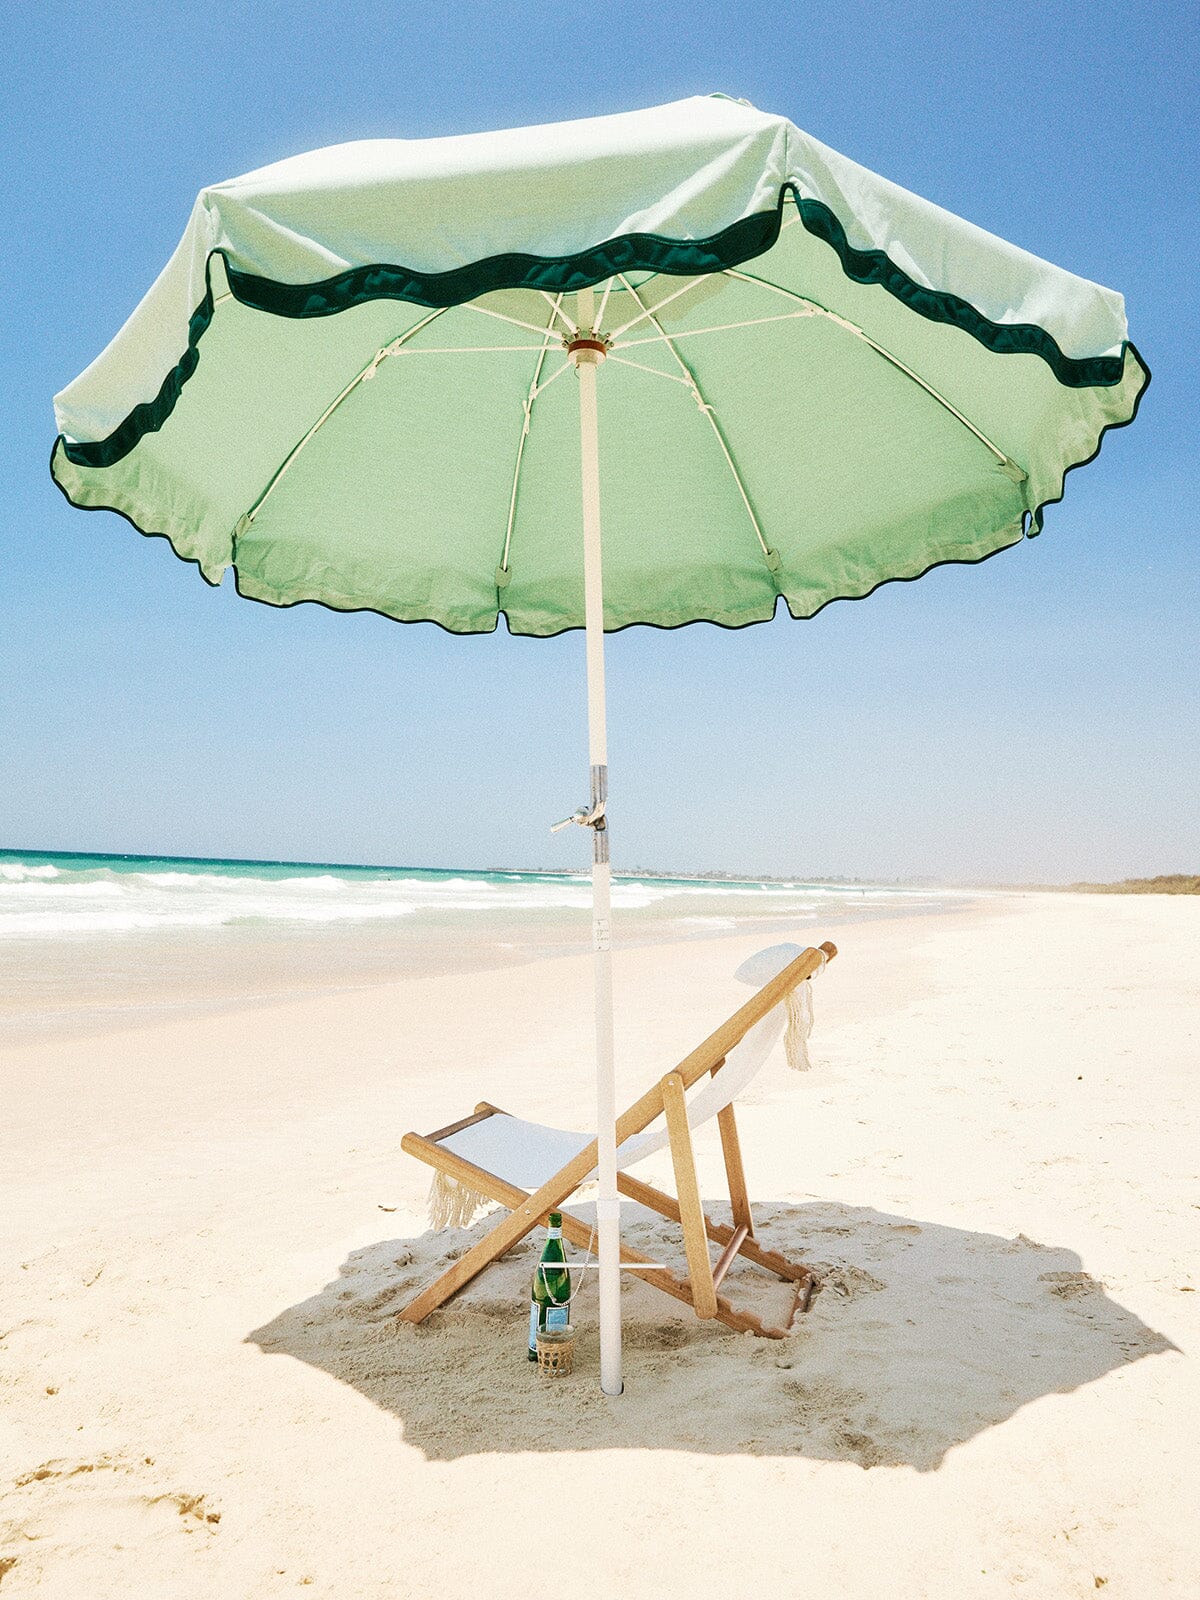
[1033, 718]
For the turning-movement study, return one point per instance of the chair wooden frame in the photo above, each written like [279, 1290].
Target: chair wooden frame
[526, 1209]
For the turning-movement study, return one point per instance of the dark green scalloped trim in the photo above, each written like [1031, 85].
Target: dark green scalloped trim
[149, 416]
[637, 252]
[1004, 338]
[1038, 515]
[632, 252]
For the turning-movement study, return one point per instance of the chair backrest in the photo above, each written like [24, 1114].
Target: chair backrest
[743, 1061]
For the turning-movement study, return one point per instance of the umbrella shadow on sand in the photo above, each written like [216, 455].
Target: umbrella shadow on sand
[921, 1337]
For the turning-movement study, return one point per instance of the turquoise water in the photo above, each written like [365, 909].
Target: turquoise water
[92, 942]
[48, 894]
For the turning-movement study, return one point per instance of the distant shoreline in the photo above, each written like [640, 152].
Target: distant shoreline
[1166, 883]
[1169, 883]
[658, 875]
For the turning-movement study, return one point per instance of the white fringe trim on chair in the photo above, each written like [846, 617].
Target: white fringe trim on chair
[799, 1023]
[452, 1204]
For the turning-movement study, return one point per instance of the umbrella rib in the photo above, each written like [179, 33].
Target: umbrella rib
[531, 327]
[548, 335]
[651, 311]
[556, 303]
[604, 302]
[1005, 460]
[368, 372]
[771, 556]
[724, 327]
[557, 373]
[655, 372]
[469, 350]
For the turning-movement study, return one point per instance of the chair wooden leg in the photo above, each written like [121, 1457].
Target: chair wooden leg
[691, 1210]
[739, 1199]
[455, 1278]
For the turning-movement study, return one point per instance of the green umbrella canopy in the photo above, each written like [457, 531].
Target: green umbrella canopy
[349, 382]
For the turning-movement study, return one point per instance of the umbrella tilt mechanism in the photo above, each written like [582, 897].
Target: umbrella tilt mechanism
[592, 816]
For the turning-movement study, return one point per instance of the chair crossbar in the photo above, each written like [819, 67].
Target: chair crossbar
[726, 1258]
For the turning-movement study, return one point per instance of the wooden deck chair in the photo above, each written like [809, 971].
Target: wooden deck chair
[533, 1170]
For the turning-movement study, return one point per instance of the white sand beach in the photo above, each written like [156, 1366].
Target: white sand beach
[208, 1226]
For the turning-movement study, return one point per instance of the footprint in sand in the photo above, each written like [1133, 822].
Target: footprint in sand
[860, 1448]
[665, 1336]
[826, 1412]
[50, 1470]
[58, 1507]
[845, 1281]
[194, 1506]
[1070, 1285]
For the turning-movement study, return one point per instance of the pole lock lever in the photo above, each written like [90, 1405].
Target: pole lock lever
[593, 818]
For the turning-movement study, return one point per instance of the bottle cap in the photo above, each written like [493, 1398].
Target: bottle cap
[555, 1219]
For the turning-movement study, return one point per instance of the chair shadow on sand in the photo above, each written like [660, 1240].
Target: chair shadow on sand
[920, 1337]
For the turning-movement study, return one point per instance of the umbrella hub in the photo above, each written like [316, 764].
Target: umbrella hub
[587, 347]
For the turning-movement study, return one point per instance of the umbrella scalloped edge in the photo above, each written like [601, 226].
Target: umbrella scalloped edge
[741, 242]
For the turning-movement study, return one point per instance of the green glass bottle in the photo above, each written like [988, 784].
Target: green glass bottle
[550, 1299]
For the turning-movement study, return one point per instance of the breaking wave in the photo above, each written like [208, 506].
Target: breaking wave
[107, 895]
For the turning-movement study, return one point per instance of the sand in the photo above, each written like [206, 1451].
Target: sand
[208, 1226]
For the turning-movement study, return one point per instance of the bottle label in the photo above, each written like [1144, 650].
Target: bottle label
[533, 1325]
[554, 1233]
[557, 1316]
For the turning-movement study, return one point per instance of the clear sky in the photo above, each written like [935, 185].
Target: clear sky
[1033, 718]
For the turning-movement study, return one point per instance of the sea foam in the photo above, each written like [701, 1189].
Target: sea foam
[91, 895]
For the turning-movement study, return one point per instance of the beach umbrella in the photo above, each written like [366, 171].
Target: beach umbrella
[370, 377]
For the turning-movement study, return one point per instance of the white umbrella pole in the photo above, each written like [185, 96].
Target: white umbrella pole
[608, 1206]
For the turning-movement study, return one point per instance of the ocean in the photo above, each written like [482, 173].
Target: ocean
[91, 940]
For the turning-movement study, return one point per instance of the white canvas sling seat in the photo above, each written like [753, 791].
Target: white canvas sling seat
[528, 1154]
[532, 1168]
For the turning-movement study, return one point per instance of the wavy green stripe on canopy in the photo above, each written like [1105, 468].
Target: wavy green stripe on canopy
[636, 253]
[878, 404]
